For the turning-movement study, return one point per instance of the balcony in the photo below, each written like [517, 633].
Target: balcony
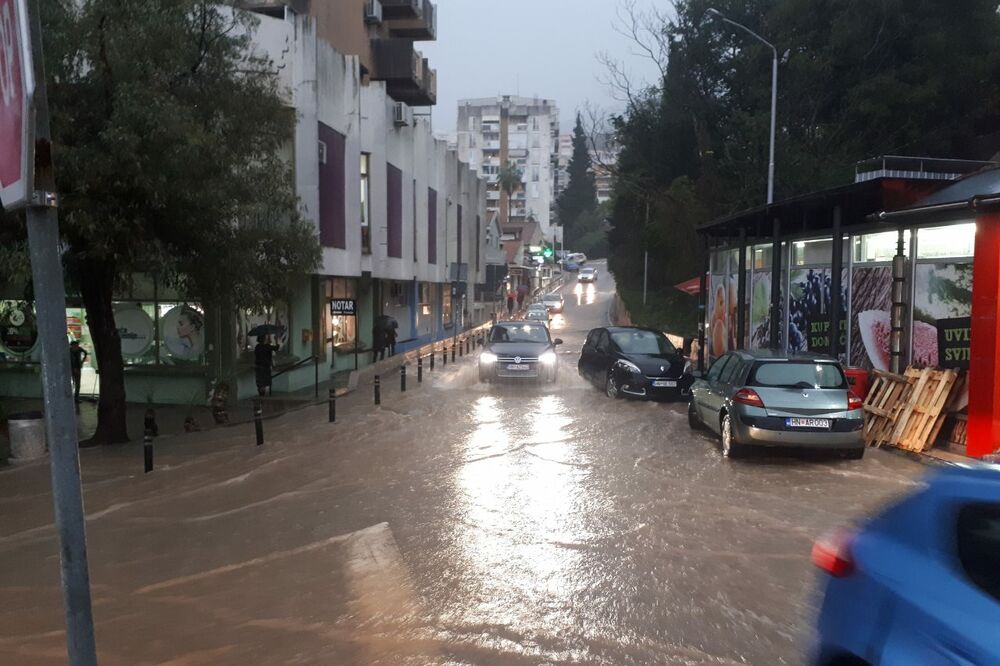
[421, 27]
[401, 9]
[493, 195]
[491, 145]
[407, 76]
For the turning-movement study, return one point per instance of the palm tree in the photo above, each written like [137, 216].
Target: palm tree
[509, 178]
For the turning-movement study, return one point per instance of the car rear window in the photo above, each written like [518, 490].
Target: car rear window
[979, 545]
[797, 374]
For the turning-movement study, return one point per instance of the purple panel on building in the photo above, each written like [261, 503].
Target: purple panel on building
[432, 226]
[394, 211]
[332, 188]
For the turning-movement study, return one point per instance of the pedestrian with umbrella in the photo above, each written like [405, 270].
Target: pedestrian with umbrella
[263, 356]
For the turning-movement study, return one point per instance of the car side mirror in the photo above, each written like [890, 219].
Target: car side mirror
[557, 341]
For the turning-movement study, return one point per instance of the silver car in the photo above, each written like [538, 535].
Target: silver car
[776, 399]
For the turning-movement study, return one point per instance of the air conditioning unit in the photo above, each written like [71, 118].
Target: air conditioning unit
[373, 12]
[402, 115]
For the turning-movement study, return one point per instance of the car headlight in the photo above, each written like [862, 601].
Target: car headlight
[487, 357]
[630, 366]
[548, 358]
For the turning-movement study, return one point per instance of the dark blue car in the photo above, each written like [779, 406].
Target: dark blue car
[920, 583]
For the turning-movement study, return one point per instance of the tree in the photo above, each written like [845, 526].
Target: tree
[580, 195]
[167, 136]
[509, 178]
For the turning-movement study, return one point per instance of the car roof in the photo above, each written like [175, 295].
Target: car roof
[625, 329]
[779, 355]
[514, 322]
[552, 295]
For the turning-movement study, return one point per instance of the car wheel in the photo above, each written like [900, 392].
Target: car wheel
[693, 421]
[729, 446]
[611, 387]
[483, 379]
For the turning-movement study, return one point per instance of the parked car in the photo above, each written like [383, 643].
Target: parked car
[634, 362]
[587, 274]
[920, 582]
[536, 307]
[578, 257]
[519, 350]
[538, 315]
[776, 399]
[553, 302]
[570, 266]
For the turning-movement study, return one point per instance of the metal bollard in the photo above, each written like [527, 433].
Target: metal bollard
[378, 390]
[433, 353]
[453, 353]
[461, 348]
[333, 405]
[468, 345]
[420, 369]
[258, 421]
[402, 378]
[147, 450]
[444, 355]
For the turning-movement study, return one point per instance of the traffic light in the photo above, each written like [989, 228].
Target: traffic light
[547, 252]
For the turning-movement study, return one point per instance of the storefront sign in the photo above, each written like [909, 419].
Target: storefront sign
[954, 342]
[135, 328]
[18, 328]
[340, 307]
[183, 334]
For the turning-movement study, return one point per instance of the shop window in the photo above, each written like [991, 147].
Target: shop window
[136, 324]
[275, 316]
[182, 333]
[813, 252]
[18, 332]
[880, 247]
[956, 240]
[343, 329]
[446, 313]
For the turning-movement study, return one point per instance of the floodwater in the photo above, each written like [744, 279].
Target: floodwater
[458, 523]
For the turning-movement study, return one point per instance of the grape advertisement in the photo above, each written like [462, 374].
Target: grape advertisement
[942, 302]
[809, 307]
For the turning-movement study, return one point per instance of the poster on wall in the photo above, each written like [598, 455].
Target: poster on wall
[760, 311]
[942, 302]
[18, 327]
[136, 330]
[871, 299]
[720, 331]
[809, 305]
[182, 330]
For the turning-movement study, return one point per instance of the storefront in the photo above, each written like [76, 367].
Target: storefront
[838, 255]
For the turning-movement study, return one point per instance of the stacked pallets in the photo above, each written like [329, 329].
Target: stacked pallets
[908, 411]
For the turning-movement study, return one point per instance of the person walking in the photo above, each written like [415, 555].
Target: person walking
[390, 335]
[77, 357]
[378, 341]
[263, 360]
[510, 303]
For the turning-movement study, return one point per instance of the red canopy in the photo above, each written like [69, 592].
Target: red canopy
[692, 286]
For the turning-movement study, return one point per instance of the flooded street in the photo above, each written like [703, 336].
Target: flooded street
[458, 523]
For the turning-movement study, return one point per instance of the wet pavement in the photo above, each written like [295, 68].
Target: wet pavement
[456, 524]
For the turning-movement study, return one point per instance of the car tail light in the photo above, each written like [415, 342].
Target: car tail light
[854, 402]
[748, 397]
[832, 553]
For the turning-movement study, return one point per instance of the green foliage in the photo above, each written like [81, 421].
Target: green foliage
[169, 140]
[675, 312]
[580, 195]
[917, 77]
[509, 178]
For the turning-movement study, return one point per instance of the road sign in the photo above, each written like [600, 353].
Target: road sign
[17, 89]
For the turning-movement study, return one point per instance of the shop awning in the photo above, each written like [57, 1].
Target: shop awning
[692, 286]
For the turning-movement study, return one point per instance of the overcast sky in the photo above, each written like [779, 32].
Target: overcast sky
[546, 48]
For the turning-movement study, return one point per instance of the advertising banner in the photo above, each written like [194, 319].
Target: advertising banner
[809, 306]
[136, 330]
[942, 307]
[182, 330]
[871, 299]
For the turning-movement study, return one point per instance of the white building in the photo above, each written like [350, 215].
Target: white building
[603, 159]
[523, 131]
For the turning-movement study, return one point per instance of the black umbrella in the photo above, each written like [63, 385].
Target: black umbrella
[266, 329]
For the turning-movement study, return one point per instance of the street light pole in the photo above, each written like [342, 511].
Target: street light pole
[774, 93]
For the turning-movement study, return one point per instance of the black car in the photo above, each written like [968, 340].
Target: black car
[635, 362]
[519, 350]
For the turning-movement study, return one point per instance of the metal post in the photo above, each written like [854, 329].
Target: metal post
[452, 352]
[378, 390]
[741, 293]
[316, 370]
[444, 355]
[433, 354]
[60, 417]
[258, 421]
[461, 348]
[774, 334]
[836, 284]
[645, 274]
[333, 405]
[898, 306]
[774, 112]
[147, 451]
[420, 369]
[402, 378]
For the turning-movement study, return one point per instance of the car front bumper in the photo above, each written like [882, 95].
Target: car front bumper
[537, 372]
[642, 388]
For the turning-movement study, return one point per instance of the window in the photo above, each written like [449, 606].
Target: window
[732, 370]
[534, 190]
[956, 240]
[534, 174]
[446, 310]
[642, 342]
[880, 247]
[342, 329]
[534, 123]
[520, 332]
[717, 367]
[979, 546]
[366, 210]
[798, 375]
[603, 343]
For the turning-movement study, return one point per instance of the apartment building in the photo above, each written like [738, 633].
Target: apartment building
[603, 159]
[523, 131]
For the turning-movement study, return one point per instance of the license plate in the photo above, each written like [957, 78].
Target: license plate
[664, 383]
[519, 366]
[807, 423]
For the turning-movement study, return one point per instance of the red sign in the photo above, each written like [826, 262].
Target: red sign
[17, 86]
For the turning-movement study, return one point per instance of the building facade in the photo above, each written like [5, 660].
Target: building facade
[524, 131]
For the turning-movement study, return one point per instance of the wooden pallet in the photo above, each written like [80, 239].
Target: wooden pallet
[959, 430]
[887, 396]
[919, 422]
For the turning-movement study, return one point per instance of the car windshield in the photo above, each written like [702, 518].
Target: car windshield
[552, 297]
[519, 333]
[536, 314]
[798, 374]
[643, 342]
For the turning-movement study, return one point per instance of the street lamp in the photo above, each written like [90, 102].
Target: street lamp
[774, 92]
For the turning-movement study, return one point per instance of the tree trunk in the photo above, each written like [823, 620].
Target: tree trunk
[97, 281]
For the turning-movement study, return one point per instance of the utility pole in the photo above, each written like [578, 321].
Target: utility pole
[645, 258]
